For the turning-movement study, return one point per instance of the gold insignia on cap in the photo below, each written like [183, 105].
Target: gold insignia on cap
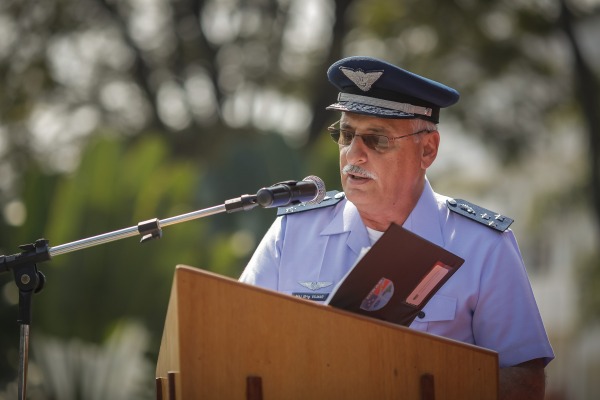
[364, 80]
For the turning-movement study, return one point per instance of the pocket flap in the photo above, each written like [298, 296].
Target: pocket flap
[439, 308]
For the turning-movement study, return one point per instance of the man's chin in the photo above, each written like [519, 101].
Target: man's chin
[357, 195]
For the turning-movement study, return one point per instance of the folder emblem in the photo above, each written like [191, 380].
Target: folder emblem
[379, 296]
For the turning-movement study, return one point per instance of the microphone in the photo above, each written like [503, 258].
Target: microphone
[311, 190]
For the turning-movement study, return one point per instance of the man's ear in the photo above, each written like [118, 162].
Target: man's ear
[430, 144]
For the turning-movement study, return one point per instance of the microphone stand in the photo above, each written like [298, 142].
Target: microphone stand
[30, 281]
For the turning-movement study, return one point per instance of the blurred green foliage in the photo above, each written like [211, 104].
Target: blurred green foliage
[118, 185]
[116, 112]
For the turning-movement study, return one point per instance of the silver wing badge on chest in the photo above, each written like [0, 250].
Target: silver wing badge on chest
[315, 285]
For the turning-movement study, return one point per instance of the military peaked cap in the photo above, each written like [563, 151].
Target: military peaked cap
[374, 87]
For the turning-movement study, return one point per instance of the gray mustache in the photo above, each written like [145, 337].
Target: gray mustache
[356, 170]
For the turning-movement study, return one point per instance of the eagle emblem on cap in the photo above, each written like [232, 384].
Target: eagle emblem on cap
[364, 80]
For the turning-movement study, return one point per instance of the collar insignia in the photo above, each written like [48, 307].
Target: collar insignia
[364, 80]
[315, 285]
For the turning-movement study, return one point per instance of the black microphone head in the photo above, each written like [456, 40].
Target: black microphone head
[321, 191]
[311, 190]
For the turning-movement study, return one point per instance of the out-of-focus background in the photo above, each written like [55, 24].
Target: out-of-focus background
[113, 112]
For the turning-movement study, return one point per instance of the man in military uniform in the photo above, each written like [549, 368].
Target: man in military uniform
[387, 138]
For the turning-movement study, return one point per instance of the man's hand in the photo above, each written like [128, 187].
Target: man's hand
[525, 381]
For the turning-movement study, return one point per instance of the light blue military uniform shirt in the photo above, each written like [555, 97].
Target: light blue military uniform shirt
[488, 302]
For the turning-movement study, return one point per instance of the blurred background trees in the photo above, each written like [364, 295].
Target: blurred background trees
[117, 111]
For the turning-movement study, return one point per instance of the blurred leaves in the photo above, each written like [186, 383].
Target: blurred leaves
[588, 282]
[114, 187]
[115, 112]
[117, 369]
[119, 183]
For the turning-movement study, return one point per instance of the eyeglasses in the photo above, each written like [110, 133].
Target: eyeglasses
[373, 141]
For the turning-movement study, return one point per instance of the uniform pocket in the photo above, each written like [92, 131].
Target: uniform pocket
[439, 308]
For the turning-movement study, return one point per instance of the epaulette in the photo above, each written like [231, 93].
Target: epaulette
[331, 198]
[484, 216]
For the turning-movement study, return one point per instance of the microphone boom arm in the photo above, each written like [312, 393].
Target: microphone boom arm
[152, 228]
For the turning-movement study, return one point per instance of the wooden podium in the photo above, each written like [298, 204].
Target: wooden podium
[226, 340]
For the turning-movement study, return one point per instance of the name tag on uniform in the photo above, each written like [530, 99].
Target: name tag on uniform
[312, 296]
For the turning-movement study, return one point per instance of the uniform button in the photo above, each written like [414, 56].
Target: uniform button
[421, 314]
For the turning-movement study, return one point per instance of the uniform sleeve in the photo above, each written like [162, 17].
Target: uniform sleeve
[263, 268]
[506, 318]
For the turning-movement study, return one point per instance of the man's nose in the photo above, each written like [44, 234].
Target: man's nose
[356, 151]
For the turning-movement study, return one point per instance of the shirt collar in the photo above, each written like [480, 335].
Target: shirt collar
[424, 218]
[423, 221]
[347, 220]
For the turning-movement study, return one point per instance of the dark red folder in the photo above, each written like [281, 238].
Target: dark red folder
[396, 278]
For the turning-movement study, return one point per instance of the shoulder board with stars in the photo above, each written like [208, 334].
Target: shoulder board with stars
[331, 198]
[484, 216]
